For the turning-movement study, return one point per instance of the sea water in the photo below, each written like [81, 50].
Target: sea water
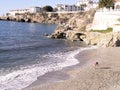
[26, 54]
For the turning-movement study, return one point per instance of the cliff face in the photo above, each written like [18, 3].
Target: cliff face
[43, 17]
[74, 27]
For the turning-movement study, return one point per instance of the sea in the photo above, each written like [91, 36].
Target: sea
[25, 54]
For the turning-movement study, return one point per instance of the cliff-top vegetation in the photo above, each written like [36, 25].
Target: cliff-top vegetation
[108, 30]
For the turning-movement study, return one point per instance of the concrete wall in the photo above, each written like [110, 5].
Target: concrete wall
[104, 20]
[116, 28]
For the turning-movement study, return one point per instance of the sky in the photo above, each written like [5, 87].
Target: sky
[6, 5]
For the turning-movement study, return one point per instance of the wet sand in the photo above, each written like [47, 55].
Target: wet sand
[85, 76]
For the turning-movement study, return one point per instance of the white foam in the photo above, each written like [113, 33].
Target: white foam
[24, 77]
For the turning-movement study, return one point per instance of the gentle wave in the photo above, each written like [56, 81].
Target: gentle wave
[26, 75]
[25, 46]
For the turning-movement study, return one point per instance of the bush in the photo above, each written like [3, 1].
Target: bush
[108, 30]
[106, 3]
[47, 8]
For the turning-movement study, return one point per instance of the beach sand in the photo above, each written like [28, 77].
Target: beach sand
[106, 76]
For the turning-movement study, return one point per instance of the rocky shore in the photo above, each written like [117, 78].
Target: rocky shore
[71, 26]
[78, 28]
[42, 17]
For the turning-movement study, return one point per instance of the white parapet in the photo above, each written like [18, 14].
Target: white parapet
[116, 28]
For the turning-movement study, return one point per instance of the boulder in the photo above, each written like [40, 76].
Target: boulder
[58, 35]
[74, 36]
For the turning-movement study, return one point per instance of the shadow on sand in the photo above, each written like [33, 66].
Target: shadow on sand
[105, 67]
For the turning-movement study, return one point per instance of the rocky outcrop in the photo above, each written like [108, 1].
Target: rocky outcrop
[102, 40]
[77, 23]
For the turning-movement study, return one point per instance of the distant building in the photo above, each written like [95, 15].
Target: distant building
[34, 9]
[87, 4]
[22, 11]
[80, 2]
[91, 4]
[64, 7]
[17, 11]
[117, 5]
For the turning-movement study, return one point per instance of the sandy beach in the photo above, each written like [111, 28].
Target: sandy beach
[106, 76]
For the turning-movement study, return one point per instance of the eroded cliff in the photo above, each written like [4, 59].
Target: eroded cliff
[78, 28]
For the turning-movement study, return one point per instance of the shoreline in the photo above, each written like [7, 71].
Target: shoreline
[86, 77]
[60, 75]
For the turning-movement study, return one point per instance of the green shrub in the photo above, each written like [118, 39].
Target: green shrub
[108, 30]
[48, 8]
[106, 3]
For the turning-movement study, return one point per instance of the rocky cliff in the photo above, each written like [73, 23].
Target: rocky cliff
[42, 17]
[78, 28]
[77, 23]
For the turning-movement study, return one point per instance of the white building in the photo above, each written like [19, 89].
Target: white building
[17, 11]
[80, 2]
[117, 5]
[88, 4]
[34, 9]
[63, 7]
[21, 11]
[92, 4]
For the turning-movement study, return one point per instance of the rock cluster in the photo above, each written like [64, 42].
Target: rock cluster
[102, 40]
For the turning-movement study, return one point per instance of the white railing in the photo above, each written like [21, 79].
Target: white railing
[108, 10]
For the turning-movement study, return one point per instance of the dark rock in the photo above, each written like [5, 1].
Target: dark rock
[45, 34]
[22, 20]
[8, 18]
[59, 36]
